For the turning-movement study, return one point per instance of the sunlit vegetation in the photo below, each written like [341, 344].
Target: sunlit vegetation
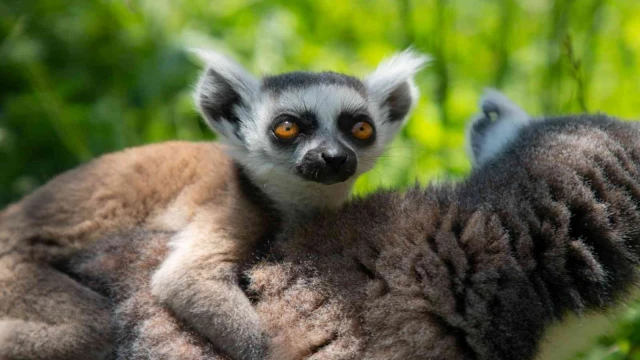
[80, 78]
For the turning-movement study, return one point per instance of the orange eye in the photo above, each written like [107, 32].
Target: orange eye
[362, 130]
[286, 130]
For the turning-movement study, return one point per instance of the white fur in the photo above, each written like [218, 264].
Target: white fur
[241, 80]
[230, 70]
[217, 308]
[393, 72]
[272, 170]
[204, 293]
[511, 118]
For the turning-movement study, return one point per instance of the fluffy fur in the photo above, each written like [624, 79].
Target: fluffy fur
[476, 270]
[495, 127]
[199, 282]
[216, 209]
[45, 314]
[479, 270]
[198, 199]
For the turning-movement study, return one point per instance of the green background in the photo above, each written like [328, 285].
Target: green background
[79, 78]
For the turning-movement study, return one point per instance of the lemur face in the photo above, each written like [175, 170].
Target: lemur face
[322, 127]
[319, 125]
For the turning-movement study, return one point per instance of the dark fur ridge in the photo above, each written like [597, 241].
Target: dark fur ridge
[298, 79]
[476, 270]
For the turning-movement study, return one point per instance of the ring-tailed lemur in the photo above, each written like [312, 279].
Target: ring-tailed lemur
[296, 143]
[489, 136]
[476, 269]
[498, 124]
[302, 138]
[472, 270]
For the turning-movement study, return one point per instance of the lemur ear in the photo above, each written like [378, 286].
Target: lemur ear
[392, 86]
[224, 91]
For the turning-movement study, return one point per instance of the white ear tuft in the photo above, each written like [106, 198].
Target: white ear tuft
[397, 69]
[391, 84]
[228, 68]
[224, 88]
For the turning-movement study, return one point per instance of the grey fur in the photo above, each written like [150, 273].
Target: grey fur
[300, 176]
[476, 270]
[498, 123]
[298, 79]
[244, 110]
[200, 196]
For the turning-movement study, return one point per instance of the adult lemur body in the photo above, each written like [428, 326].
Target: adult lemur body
[294, 145]
[546, 224]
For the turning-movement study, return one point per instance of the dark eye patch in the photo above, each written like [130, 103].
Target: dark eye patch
[346, 122]
[306, 121]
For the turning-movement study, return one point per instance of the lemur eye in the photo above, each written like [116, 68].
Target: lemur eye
[286, 130]
[362, 130]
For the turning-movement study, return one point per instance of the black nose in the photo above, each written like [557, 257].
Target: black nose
[335, 161]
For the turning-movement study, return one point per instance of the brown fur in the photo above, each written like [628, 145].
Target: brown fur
[476, 270]
[122, 265]
[215, 215]
[174, 187]
[160, 187]
[47, 315]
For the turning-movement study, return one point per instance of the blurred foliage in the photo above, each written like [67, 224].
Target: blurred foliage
[623, 343]
[80, 78]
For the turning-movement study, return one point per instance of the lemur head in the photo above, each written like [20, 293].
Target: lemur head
[498, 124]
[307, 128]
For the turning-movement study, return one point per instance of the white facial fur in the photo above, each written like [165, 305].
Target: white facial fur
[386, 96]
[489, 132]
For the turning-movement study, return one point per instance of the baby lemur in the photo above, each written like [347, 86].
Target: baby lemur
[301, 139]
[294, 144]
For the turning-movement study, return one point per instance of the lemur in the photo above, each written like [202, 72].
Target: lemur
[293, 145]
[489, 134]
[300, 138]
[496, 126]
[545, 225]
